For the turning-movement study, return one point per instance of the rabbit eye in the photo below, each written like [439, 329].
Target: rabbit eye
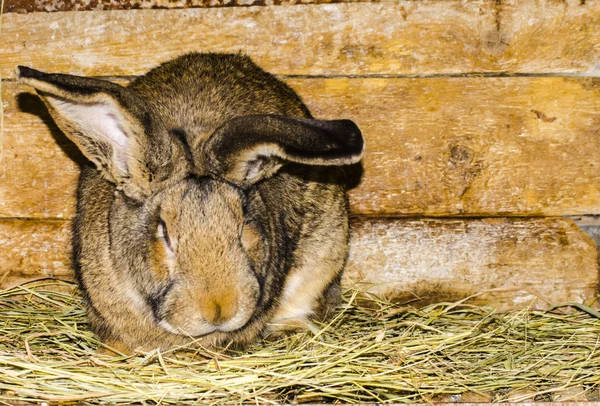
[161, 232]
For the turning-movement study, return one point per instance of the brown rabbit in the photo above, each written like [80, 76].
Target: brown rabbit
[215, 210]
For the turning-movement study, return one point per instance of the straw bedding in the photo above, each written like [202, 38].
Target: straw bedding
[372, 351]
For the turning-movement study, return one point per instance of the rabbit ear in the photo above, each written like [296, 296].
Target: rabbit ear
[247, 149]
[102, 119]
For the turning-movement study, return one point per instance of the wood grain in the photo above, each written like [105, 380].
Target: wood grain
[471, 146]
[28, 6]
[389, 38]
[34, 249]
[38, 169]
[435, 146]
[521, 262]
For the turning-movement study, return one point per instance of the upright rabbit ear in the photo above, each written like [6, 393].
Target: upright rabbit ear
[105, 120]
[247, 149]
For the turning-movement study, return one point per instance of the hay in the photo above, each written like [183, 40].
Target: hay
[372, 351]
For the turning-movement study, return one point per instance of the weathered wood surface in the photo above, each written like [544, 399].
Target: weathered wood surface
[29, 6]
[434, 260]
[33, 249]
[435, 146]
[471, 146]
[38, 172]
[519, 262]
[389, 38]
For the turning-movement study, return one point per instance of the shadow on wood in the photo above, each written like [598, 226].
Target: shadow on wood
[32, 104]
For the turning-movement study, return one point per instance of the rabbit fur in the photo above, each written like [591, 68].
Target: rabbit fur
[213, 208]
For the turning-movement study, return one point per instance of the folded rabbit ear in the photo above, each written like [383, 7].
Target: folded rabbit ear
[103, 119]
[247, 149]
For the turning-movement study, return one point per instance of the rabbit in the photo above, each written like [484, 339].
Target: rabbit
[212, 209]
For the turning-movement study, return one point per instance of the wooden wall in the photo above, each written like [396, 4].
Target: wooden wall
[481, 133]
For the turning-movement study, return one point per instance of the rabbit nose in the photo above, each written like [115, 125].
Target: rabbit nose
[218, 311]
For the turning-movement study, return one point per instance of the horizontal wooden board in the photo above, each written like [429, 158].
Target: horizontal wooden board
[435, 146]
[389, 38]
[34, 249]
[38, 169]
[519, 262]
[471, 146]
[28, 6]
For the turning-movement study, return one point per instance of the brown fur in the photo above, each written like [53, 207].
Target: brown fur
[216, 209]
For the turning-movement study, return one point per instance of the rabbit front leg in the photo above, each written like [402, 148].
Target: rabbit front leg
[314, 279]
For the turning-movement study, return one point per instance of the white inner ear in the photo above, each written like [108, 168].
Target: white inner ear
[255, 164]
[102, 122]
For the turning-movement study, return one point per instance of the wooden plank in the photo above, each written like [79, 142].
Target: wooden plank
[539, 261]
[28, 6]
[435, 146]
[471, 146]
[390, 38]
[34, 249]
[519, 262]
[38, 169]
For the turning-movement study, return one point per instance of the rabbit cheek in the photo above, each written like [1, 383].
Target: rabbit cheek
[252, 244]
[162, 261]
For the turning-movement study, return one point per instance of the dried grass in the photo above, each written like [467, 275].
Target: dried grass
[372, 351]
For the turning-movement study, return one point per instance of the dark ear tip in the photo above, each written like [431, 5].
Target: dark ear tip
[349, 127]
[354, 136]
[26, 72]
